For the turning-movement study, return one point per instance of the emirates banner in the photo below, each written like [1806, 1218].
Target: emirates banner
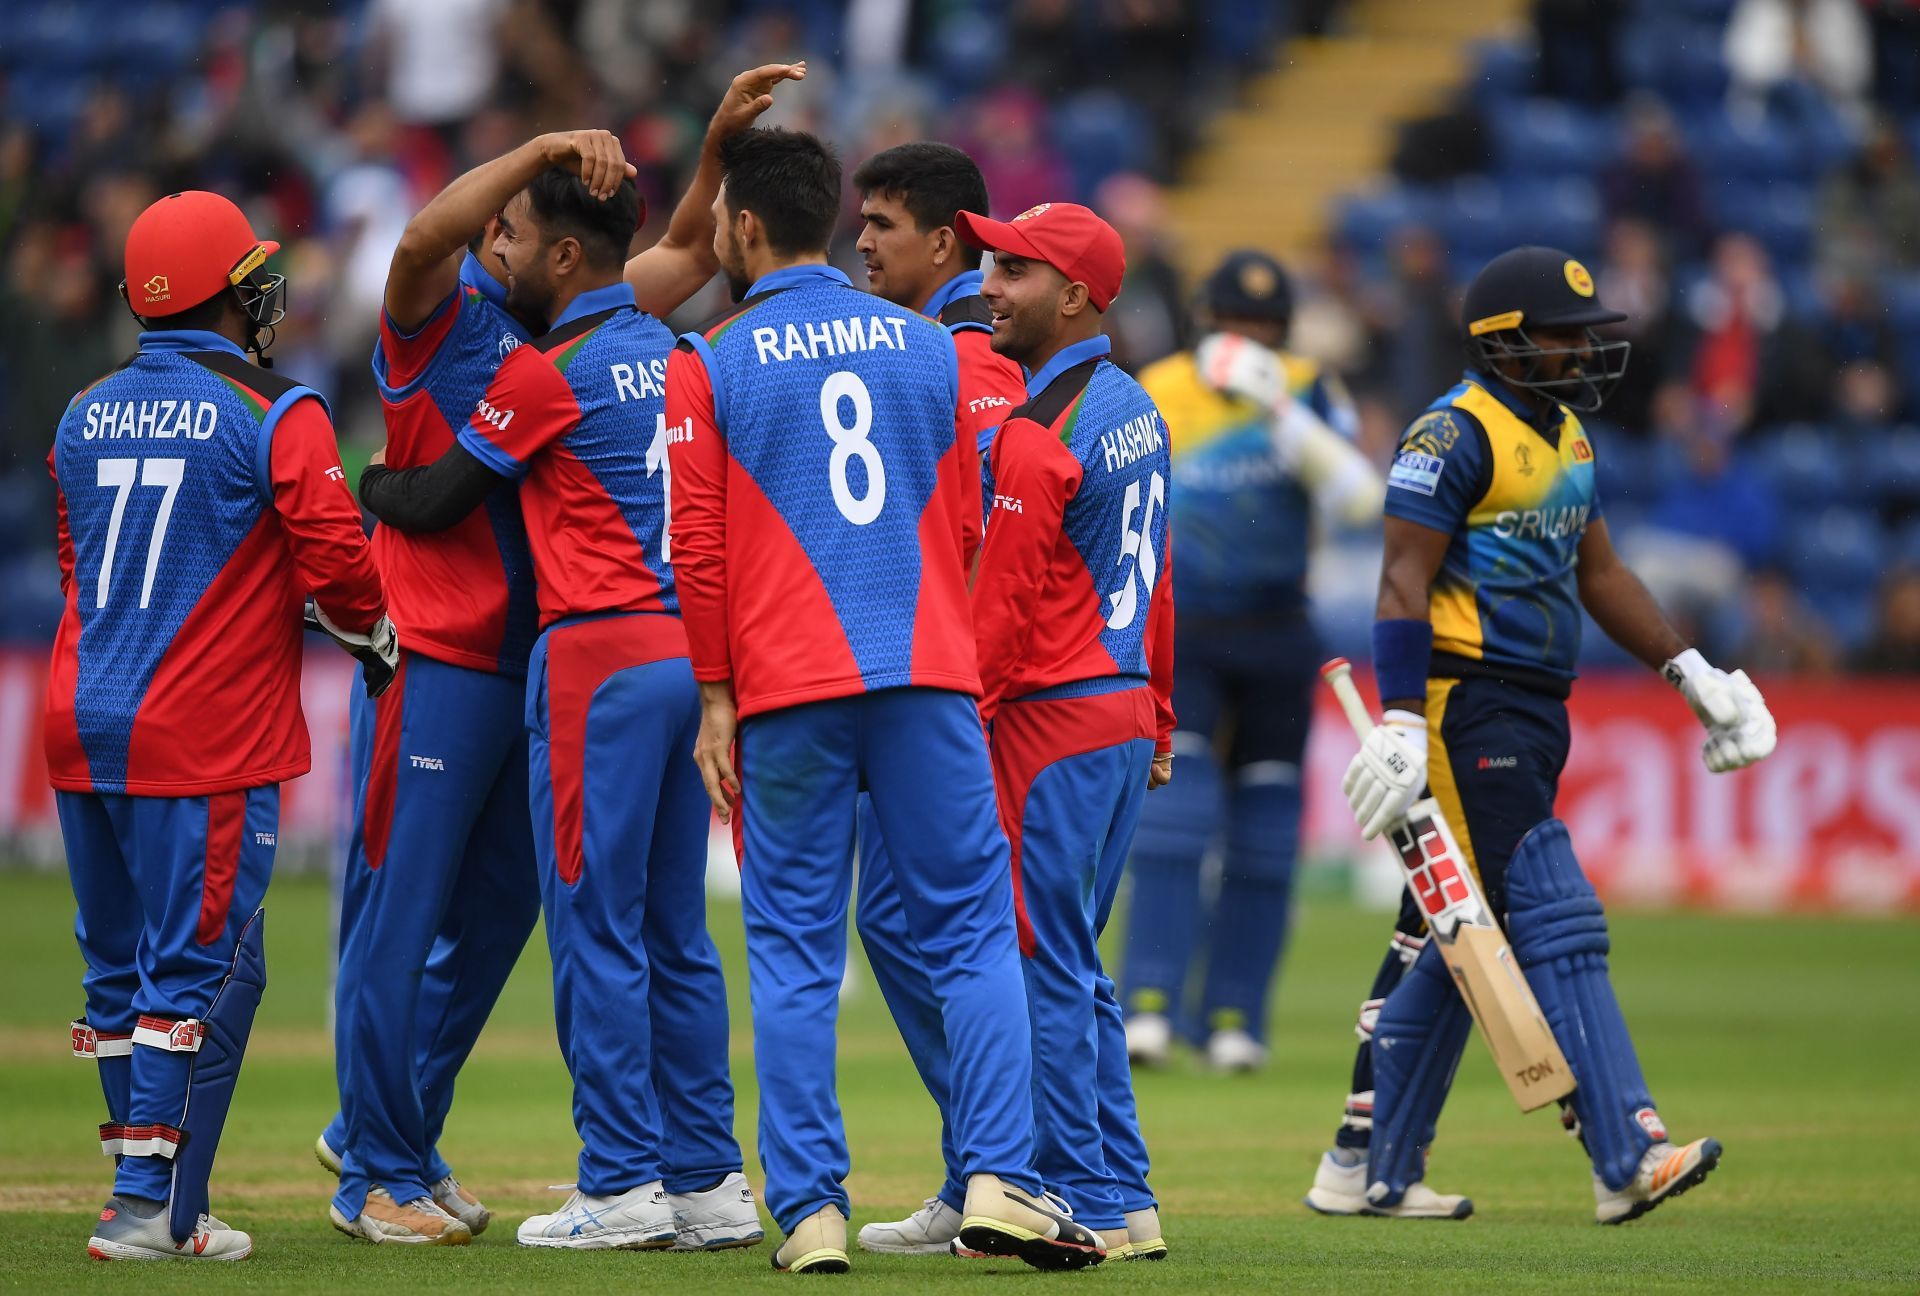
[1830, 821]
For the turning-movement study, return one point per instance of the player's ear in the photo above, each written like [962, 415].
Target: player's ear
[567, 254]
[1074, 299]
[946, 244]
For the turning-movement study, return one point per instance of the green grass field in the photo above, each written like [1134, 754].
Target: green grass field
[1794, 1042]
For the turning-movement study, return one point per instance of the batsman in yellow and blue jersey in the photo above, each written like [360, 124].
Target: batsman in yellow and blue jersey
[1494, 543]
[1260, 445]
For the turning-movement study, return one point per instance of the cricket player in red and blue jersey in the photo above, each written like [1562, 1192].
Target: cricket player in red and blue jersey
[820, 573]
[620, 825]
[201, 502]
[1073, 617]
[911, 196]
[441, 889]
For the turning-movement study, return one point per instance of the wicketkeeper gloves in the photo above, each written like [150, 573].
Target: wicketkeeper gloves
[378, 650]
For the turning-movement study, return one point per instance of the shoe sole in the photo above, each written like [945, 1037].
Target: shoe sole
[352, 1228]
[1709, 1161]
[1463, 1211]
[1334, 1204]
[1154, 1250]
[992, 1237]
[325, 1156]
[827, 1260]
[720, 1244]
[99, 1248]
[602, 1242]
[906, 1248]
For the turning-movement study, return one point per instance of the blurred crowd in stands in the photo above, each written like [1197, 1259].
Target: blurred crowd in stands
[1740, 174]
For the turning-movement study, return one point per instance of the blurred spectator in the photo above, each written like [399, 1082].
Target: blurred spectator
[1869, 211]
[1896, 54]
[52, 340]
[1417, 347]
[440, 57]
[1893, 647]
[1792, 53]
[1149, 318]
[1782, 634]
[1021, 168]
[1655, 181]
[367, 204]
[1745, 355]
[1579, 44]
[1633, 278]
[1858, 351]
[1719, 497]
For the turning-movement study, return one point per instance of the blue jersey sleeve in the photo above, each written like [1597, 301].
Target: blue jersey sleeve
[1441, 470]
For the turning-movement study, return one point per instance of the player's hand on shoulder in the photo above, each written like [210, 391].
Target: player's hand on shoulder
[752, 94]
[1388, 773]
[1740, 729]
[377, 650]
[1236, 366]
[593, 155]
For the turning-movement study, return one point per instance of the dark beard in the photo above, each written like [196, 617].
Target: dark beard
[532, 307]
[738, 285]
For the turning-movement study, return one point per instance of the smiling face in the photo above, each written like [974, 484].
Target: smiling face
[524, 255]
[902, 261]
[1026, 298]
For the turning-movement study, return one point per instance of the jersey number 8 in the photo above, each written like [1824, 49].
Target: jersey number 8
[850, 442]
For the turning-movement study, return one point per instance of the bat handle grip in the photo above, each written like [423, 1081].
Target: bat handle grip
[1339, 676]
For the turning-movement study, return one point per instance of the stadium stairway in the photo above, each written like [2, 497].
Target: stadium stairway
[1322, 122]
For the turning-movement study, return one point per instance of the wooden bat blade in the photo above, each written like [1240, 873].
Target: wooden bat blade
[1517, 1034]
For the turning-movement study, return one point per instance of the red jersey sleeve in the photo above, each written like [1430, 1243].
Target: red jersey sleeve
[1160, 653]
[698, 456]
[990, 387]
[63, 533]
[528, 406]
[1034, 476]
[406, 354]
[320, 519]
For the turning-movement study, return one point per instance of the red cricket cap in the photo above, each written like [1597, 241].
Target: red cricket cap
[1067, 236]
[187, 248]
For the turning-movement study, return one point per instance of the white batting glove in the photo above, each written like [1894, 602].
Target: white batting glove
[1740, 729]
[1386, 776]
[1238, 366]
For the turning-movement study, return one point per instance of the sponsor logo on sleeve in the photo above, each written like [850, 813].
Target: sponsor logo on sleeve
[1417, 472]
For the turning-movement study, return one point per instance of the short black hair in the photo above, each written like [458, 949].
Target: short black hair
[790, 180]
[564, 206]
[934, 182]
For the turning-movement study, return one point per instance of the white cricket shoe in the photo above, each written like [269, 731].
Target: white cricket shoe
[818, 1244]
[717, 1219]
[1144, 1239]
[1235, 1050]
[1149, 1039]
[119, 1234]
[456, 1201]
[420, 1222]
[928, 1231]
[1340, 1188]
[640, 1219]
[1665, 1171]
[326, 1156]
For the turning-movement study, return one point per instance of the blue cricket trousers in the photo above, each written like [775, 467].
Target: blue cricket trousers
[620, 823]
[1071, 777]
[921, 755]
[162, 887]
[437, 901]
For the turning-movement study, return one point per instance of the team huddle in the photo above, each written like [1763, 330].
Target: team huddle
[883, 578]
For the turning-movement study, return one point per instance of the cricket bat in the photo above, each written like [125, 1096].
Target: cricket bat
[1471, 943]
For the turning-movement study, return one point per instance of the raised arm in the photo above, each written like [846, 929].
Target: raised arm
[426, 264]
[679, 265]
